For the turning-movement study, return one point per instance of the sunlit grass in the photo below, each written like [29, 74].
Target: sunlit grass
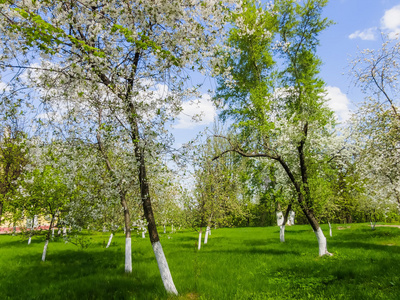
[238, 263]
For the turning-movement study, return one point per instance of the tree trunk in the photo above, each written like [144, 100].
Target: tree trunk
[165, 229]
[304, 206]
[291, 217]
[164, 269]
[46, 244]
[151, 224]
[373, 225]
[199, 243]
[1, 210]
[128, 241]
[330, 229]
[109, 240]
[122, 194]
[321, 242]
[279, 218]
[208, 229]
[45, 250]
[206, 235]
[282, 233]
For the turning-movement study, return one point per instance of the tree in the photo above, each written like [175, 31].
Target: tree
[46, 189]
[124, 48]
[279, 109]
[13, 149]
[376, 126]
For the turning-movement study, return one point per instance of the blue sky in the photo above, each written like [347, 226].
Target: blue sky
[358, 25]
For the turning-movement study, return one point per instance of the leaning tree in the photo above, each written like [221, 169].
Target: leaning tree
[269, 87]
[126, 48]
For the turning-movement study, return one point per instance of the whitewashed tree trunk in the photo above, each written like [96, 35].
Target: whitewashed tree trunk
[29, 240]
[59, 231]
[165, 229]
[279, 218]
[109, 240]
[143, 234]
[52, 233]
[282, 233]
[128, 255]
[292, 215]
[206, 235]
[199, 246]
[164, 269]
[330, 229]
[64, 231]
[373, 225]
[104, 229]
[45, 250]
[321, 242]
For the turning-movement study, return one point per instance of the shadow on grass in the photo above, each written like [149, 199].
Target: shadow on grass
[72, 274]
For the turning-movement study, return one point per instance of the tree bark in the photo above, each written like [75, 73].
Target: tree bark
[149, 215]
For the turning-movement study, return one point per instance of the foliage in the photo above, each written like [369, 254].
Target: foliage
[375, 127]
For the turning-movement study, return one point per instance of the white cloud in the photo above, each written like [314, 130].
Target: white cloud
[366, 35]
[391, 21]
[194, 113]
[338, 102]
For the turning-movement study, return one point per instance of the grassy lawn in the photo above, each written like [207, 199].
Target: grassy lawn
[239, 263]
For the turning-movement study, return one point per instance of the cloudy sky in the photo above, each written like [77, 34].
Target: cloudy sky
[358, 25]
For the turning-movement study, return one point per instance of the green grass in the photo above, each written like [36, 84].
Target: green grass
[240, 263]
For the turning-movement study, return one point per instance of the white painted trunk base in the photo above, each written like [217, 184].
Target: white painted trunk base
[321, 243]
[165, 230]
[109, 240]
[292, 215]
[52, 232]
[373, 225]
[45, 250]
[128, 255]
[143, 234]
[29, 240]
[279, 218]
[164, 269]
[206, 235]
[330, 229]
[282, 233]
[199, 246]
[64, 231]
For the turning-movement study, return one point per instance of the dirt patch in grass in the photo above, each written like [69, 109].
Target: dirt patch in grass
[398, 226]
[343, 228]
